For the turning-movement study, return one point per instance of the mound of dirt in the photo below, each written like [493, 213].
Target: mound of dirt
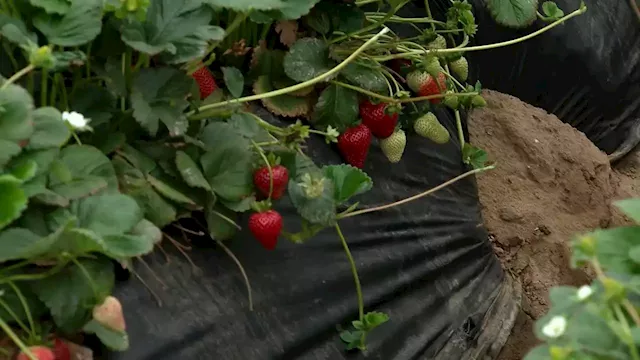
[550, 184]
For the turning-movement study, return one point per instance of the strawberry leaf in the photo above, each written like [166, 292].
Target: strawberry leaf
[246, 5]
[474, 156]
[348, 181]
[234, 80]
[337, 106]
[81, 23]
[228, 163]
[16, 118]
[13, 200]
[631, 207]
[70, 294]
[551, 10]
[11, 299]
[190, 171]
[53, 6]
[307, 59]
[168, 191]
[49, 130]
[221, 222]
[317, 209]
[114, 340]
[288, 10]
[366, 77]
[513, 13]
[179, 29]
[86, 162]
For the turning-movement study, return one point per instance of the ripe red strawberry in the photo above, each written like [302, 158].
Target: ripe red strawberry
[205, 81]
[61, 350]
[354, 145]
[424, 84]
[40, 352]
[280, 181]
[110, 314]
[377, 119]
[266, 227]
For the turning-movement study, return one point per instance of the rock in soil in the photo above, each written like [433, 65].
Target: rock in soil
[551, 183]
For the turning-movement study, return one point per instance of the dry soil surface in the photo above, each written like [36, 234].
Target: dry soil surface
[550, 184]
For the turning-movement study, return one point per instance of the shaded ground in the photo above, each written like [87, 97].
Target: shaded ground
[551, 183]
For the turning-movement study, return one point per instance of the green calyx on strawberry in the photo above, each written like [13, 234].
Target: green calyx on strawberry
[279, 175]
[313, 185]
[424, 84]
[266, 227]
[39, 352]
[393, 146]
[354, 145]
[205, 80]
[109, 314]
[428, 126]
[380, 118]
[460, 68]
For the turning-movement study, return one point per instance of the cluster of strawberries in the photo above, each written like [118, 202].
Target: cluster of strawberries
[108, 314]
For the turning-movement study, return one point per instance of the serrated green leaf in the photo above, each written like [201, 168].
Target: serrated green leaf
[612, 247]
[307, 59]
[348, 181]
[247, 126]
[365, 77]
[114, 340]
[59, 173]
[168, 191]
[62, 60]
[85, 161]
[221, 222]
[80, 24]
[474, 156]
[179, 29]
[70, 296]
[8, 149]
[138, 159]
[190, 171]
[107, 214]
[158, 95]
[16, 117]
[631, 208]
[11, 300]
[551, 9]
[80, 187]
[13, 200]
[49, 130]
[94, 102]
[53, 6]
[513, 13]
[48, 197]
[25, 172]
[289, 10]
[282, 105]
[234, 80]
[337, 106]
[15, 242]
[148, 231]
[114, 77]
[18, 34]
[374, 319]
[239, 206]
[228, 162]
[319, 210]
[246, 5]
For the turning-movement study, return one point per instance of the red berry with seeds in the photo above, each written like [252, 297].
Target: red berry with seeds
[378, 118]
[354, 145]
[61, 350]
[205, 81]
[424, 84]
[266, 227]
[280, 180]
[40, 352]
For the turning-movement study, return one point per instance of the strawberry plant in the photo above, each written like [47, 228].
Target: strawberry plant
[600, 320]
[120, 118]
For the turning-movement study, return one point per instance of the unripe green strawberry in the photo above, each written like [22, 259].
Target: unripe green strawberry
[460, 68]
[393, 146]
[439, 43]
[428, 126]
[478, 101]
[432, 65]
[451, 101]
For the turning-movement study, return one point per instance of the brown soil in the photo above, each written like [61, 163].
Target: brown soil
[550, 184]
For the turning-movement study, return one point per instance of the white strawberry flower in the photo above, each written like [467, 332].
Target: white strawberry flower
[76, 120]
[584, 292]
[555, 327]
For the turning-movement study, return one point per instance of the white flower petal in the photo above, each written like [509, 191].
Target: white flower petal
[584, 292]
[555, 327]
[76, 120]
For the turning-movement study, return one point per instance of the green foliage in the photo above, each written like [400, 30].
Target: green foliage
[307, 59]
[337, 106]
[513, 13]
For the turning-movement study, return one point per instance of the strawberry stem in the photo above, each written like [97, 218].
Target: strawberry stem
[239, 264]
[12, 335]
[354, 272]
[17, 75]
[459, 127]
[25, 306]
[579, 11]
[418, 196]
[302, 85]
[11, 313]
